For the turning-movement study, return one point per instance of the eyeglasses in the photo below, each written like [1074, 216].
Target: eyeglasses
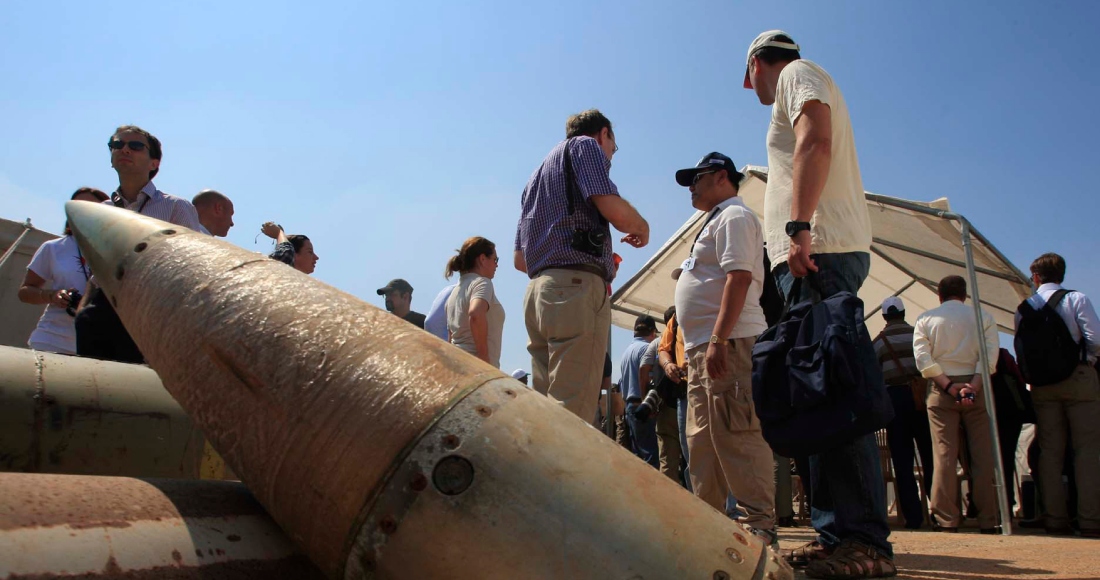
[116, 144]
[700, 174]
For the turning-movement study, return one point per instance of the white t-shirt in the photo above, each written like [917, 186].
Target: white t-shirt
[470, 287]
[731, 240]
[841, 222]
[59, 263]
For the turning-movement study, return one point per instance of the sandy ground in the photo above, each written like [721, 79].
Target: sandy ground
[969, 555]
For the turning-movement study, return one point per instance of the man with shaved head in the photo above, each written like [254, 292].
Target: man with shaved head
[215, 212]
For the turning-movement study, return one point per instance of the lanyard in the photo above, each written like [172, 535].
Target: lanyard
[80, 258]
[704, 228]
[116, 198]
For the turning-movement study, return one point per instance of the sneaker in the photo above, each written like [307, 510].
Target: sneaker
[770, 537]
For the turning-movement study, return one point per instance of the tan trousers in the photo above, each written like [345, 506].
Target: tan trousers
[568, 320]
[944, 417]
[726, 451]
[668, 442]
[1071, 406]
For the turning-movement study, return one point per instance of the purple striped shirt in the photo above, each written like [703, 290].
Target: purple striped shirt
[545, 228]
[155, 203]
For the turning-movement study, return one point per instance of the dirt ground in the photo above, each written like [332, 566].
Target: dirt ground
[968, 555]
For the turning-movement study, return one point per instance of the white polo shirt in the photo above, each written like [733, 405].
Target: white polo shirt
[732, 240]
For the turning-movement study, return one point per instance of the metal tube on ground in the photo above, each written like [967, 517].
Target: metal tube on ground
[382, 451]
[79, 526]
[66, 414]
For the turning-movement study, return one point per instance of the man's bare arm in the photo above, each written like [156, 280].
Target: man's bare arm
[624, 217]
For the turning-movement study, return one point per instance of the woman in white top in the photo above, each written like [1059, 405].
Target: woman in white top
[475, 318]
[56, 275]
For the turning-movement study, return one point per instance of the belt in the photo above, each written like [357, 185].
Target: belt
[589, 268]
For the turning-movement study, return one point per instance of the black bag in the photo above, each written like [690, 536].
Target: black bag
[1044, 347]
[816, 381]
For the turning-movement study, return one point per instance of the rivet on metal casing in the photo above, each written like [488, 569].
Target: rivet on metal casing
[721, 575]
[418, 482]
[510, 393]
[141, 247]
[119, 272]
[388, 525]
[453, 475]
[451, 441]
[484, 411]
[734, 555]
[368, 562]
[741, 539]
[168, 232]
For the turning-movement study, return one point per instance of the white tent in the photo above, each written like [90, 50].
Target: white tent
[18, 243]
[915, 245]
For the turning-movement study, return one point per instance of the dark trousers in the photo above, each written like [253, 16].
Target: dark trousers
[100, 333]
[908, 426]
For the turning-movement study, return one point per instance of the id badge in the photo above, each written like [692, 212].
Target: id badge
[688, 264]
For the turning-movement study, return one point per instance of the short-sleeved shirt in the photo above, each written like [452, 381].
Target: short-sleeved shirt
[436, 320]
[731, 240]
[650, 358]
[545, 230]
[61, 265]
[471, 287]
[415, 318]
[628, 369]
[841, 222]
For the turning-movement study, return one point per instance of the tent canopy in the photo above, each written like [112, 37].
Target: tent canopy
[915, 244]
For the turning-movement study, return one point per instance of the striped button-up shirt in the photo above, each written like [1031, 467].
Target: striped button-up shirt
[155, 203]
[545, 230]
[900, 336]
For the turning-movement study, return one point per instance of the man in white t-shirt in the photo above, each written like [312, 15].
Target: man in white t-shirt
[816, 224]
[718, 308]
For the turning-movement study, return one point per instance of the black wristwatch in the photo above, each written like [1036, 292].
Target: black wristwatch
[794, 227]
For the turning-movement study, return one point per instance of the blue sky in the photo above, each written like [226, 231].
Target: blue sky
[389, 133]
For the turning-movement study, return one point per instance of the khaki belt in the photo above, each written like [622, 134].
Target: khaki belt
[589, 268]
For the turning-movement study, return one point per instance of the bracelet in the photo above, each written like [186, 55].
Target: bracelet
[947, 389]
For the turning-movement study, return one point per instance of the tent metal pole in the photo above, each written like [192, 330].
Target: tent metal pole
[11, 250]
[987, 384]
[939, 258]
[610, 428]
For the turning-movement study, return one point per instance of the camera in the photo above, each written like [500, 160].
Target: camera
[589, 241]
[649, 406]
[74, 299]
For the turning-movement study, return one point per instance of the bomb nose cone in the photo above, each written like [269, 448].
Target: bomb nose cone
[109, 235]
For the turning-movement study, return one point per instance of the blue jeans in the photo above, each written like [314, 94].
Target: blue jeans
[849, 495]
[681, 420]
[644, 435]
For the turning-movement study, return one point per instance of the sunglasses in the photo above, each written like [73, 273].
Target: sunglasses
[695, 179]
[116, 144]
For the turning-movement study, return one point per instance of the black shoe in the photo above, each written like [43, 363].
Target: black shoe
[786, 522]
[1066, 530]
[991, 531]
[1031, 524]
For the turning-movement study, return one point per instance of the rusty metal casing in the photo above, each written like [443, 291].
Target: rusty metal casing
[65, 414]
[382, 451]
[64, 526]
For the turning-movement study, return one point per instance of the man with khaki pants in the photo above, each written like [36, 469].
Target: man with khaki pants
[563, 243]
[946, 346]
[1070, 406]
[718, 308]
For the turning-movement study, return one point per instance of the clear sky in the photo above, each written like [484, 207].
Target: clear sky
[390, 132]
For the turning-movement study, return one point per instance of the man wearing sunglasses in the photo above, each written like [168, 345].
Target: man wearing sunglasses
[718, 289]
[135, 157]
[816, 224]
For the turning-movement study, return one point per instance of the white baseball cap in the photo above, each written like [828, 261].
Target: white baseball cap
[892, 302]
[519, 374]
[764, 40]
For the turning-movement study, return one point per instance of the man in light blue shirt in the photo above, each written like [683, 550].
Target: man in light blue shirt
[436, 321]
[643, 432]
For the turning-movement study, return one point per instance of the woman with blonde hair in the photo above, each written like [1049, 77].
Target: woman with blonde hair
[475, 318]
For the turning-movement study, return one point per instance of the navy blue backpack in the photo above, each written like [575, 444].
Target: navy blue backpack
[816, 381]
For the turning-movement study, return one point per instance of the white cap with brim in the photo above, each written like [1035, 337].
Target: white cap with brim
[519, 374]
[765, 40]
[892, 302]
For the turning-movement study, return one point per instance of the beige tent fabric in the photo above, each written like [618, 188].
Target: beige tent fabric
[912, 250]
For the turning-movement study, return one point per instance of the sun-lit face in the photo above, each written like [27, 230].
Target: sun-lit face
[305, 260]
[126, 161]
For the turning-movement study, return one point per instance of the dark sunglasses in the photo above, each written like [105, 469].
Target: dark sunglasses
[695, 179]
[116, 144]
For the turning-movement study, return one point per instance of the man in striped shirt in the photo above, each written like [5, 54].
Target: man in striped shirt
[563, 243]
[135, 156]
[894, 347]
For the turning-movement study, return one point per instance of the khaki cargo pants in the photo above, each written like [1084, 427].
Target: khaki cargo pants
[726, 450]
[944, 417]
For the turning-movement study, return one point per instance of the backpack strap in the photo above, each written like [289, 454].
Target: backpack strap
[890, 348]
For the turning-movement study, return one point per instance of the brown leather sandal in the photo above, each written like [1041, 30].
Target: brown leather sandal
[803, 555]
[853, 560]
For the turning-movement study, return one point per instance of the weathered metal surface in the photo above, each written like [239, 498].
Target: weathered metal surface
[64, 414]
[329, 408]
[65, 526]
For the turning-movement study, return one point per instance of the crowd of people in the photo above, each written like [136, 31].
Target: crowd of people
[689, 408]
